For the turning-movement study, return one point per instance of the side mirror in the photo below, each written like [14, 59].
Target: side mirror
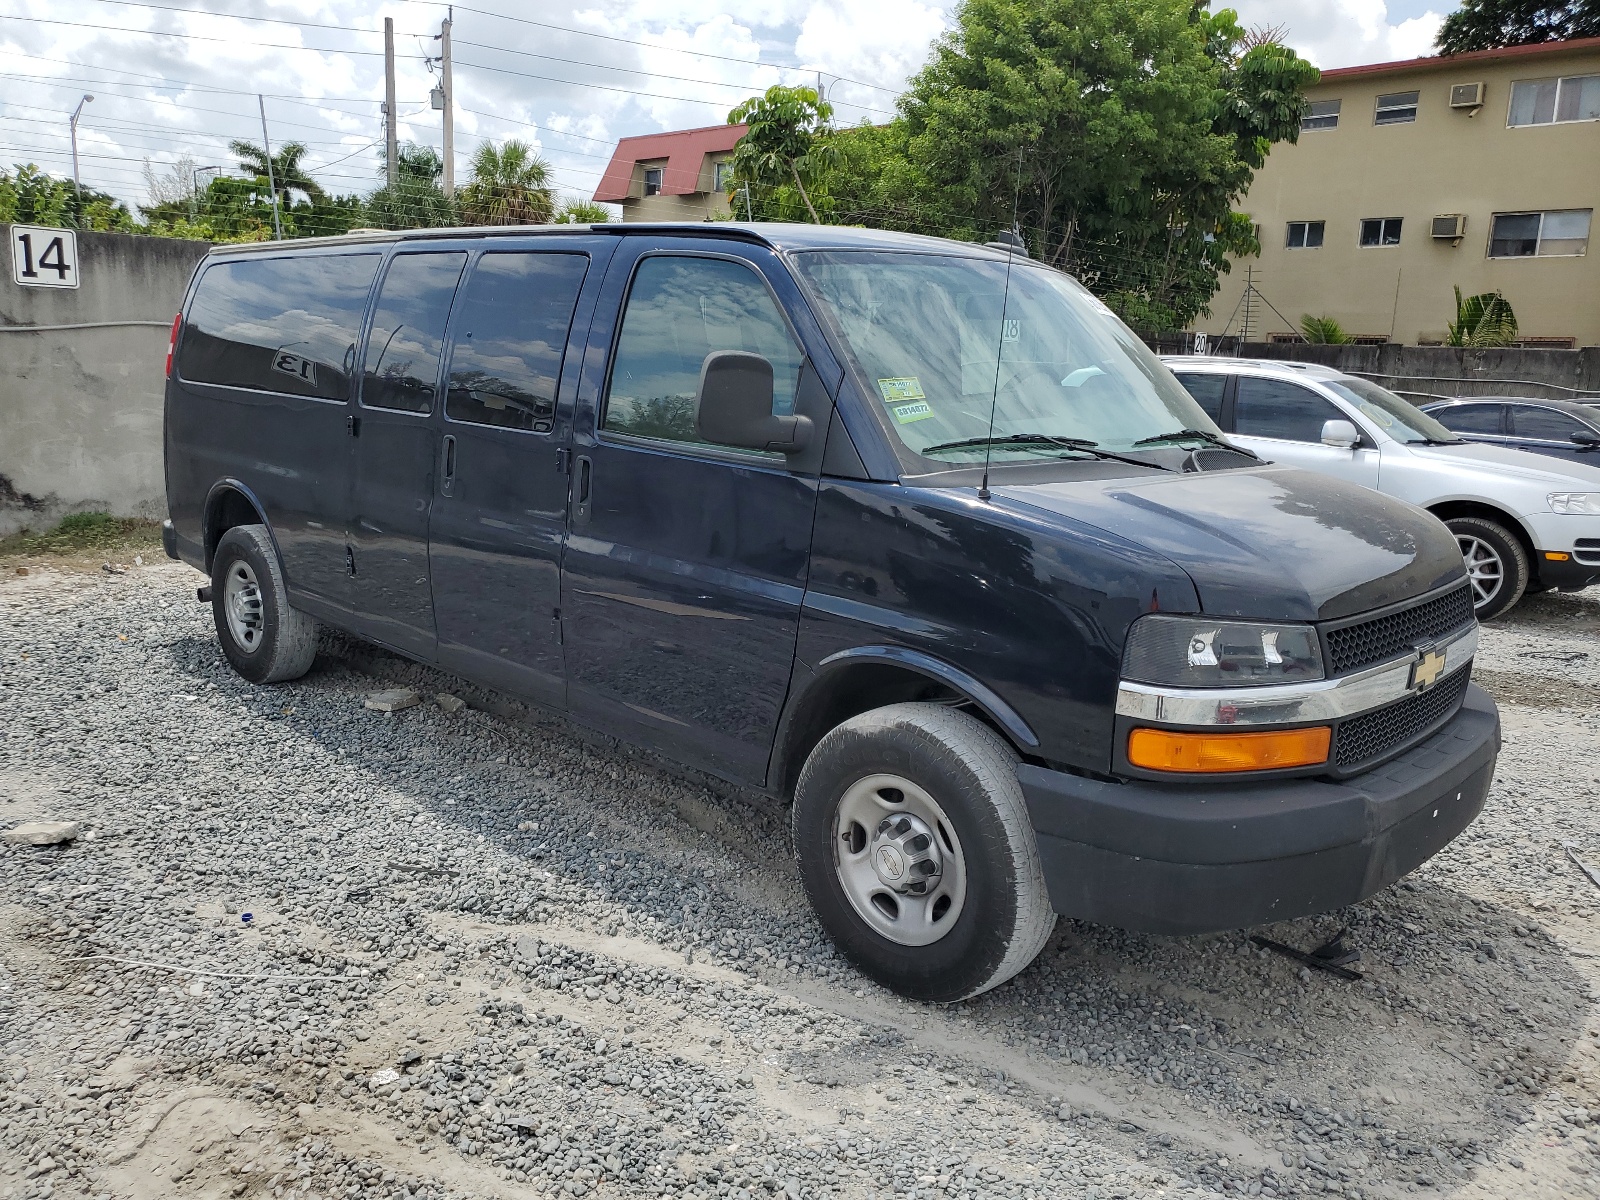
[1589, 441]
[735, 406]
[1341, 435]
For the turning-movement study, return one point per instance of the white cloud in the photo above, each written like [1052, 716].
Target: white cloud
[571, 94]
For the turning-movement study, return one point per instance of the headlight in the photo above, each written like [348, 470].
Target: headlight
[1194, 652]
[1575, 504]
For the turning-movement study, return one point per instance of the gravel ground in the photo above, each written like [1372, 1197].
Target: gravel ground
[306, 949]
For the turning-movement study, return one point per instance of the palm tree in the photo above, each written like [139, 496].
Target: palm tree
[288, 173]
[416, 201]
[510, 186]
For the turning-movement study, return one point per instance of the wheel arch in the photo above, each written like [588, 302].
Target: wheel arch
[1446, 509]
[857, 680]
[231, 503]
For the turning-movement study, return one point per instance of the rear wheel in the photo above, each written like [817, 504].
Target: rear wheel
[263, 639]
[1497, 565]
[916, 852]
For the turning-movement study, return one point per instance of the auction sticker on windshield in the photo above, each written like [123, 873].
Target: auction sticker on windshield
[917, 410]
[896, 390]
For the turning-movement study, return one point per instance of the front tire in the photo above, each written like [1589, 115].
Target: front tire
[262, 638]
[1497, 565]
[916, 852]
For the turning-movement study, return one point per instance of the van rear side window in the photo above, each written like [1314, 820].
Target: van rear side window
[510, 336]
[278, 324]
[401, 369]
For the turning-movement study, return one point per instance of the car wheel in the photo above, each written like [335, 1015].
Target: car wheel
[916, 852]
[264, 639]
[1497, 565]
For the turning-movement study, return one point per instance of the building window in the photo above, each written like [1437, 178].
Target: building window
[1397, 108]
[1552, 101]
[1304, 235]
[652, 181]
[1319, 114]
[1540, 234]
[1380, 231]
[723, 176]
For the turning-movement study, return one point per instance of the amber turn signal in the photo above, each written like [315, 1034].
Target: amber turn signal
[1171, 750]
[1557, 555]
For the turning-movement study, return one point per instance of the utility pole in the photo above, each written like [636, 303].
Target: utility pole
[194, 188]
[449, 108]
[391, 137]
[1249, 302]
[272, 184]
[77, 189]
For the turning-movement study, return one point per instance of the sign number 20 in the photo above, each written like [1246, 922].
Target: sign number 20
[43, 257]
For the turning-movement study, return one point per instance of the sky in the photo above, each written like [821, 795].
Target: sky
[175, 80]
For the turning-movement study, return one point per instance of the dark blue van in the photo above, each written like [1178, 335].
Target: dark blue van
[912, 532]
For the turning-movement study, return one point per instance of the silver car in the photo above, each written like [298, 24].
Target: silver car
[1525, 522]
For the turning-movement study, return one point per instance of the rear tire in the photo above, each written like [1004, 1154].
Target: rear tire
[263, 639]
[1496, 563]
[916, 851]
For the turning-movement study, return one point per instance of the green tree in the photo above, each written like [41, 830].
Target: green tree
[35, 197]
[786, 141]
[1121, 135]
[1490, 24]
[1483, 320]
[416, 200]
[288, 171]
[582, 212]
[510, 186]
[1323, 331]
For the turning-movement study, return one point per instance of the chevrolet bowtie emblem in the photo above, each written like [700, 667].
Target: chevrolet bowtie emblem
[1425, 673]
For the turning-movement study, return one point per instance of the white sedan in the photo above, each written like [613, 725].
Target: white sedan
[1525, 522]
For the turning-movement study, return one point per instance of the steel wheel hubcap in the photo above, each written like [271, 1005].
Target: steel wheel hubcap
[1485, 570]
[241, 602]
[898, 860]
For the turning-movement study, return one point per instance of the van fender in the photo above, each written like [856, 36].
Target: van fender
[996, 709]
[215, 499]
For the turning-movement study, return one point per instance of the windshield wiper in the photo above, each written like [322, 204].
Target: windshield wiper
[1083, 445]
[1203, 435]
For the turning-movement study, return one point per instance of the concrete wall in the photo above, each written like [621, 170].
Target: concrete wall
[80, 409]
[1446, 161]
[1423, 372]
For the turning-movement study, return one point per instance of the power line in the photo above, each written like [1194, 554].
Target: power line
[201, 37]
[202, 12]
[168, 83]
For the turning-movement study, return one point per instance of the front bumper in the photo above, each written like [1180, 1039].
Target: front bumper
[1197, 858]
[1576, 536]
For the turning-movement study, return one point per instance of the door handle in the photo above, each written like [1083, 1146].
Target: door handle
[581, 488]
[448, 480]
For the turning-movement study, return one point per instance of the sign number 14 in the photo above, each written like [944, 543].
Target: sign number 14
[43, 257]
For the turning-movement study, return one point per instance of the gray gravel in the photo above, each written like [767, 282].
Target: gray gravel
[301, 947]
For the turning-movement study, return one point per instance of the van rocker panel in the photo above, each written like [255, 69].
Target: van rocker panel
[1193, 859]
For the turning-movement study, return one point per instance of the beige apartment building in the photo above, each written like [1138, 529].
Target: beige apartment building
[678, 176]
[1479, 171]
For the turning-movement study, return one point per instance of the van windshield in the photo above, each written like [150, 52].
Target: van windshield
[940, 340]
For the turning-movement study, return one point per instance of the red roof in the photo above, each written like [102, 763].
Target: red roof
[684, 149]
[1442, 62]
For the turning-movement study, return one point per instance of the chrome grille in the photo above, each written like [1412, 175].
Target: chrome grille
[1351, 647]
[1373, 735]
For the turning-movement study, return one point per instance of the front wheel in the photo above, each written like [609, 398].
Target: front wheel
[916, 852]
[1497, 565]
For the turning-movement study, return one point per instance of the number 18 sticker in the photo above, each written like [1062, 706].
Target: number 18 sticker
[43, 257]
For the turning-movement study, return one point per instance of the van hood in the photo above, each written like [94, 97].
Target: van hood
[1507, 463]
[1270, 543]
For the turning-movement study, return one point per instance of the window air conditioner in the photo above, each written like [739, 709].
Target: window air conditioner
[1451, 226]
[1466, 95]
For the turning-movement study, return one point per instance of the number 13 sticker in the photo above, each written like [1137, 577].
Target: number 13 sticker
[43, 257]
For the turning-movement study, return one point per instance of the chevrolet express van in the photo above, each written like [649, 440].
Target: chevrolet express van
[913, 533]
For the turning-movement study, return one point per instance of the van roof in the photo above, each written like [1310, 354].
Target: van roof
[776, 235]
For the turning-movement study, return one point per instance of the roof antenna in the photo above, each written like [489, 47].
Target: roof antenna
[1013, 241]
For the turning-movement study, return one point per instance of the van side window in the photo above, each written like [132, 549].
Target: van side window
[1272, 408]
[278, 324]
[510, 335]
[401, 369]
[1207, 392]
[679, 311]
